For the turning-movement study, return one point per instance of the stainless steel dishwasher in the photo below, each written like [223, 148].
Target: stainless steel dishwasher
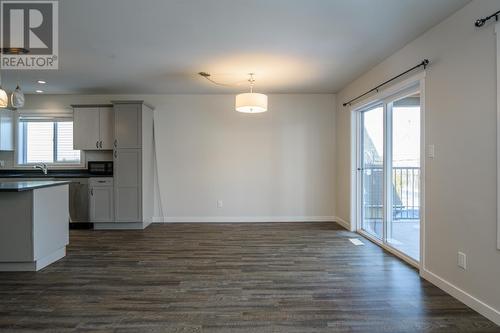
[78, 200]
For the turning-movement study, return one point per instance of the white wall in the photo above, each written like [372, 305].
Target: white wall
[278, 165]
[461, 180]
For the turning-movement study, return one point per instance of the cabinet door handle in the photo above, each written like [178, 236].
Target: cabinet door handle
[115, 143]
[100, 144]
[116, 154]
[92, 191]
[97, 144]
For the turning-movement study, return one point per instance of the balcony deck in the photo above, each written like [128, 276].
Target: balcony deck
[405, 235]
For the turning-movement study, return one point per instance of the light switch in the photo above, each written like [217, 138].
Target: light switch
[462, 260]
[220, 204]
[431, 151]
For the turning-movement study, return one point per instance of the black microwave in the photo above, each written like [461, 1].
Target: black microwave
[102, 168]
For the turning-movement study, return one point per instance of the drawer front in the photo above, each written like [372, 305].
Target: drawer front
[104, 181]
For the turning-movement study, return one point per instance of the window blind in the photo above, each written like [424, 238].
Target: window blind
[39, 137]
[64, 146]
[46, 139]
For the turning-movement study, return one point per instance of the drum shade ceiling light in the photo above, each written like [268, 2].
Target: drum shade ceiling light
[247, 102]
[251, 102]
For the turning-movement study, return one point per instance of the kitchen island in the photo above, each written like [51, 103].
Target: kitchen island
[33, 224]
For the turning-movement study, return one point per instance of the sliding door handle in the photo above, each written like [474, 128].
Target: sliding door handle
[97, 144]
[100, 144]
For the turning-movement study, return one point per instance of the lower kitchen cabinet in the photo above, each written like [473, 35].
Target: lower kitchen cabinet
[127, 163]
[101, 201]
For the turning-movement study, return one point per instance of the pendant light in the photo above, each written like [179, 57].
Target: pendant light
[17, 98]
[251, 102]
[4, 99]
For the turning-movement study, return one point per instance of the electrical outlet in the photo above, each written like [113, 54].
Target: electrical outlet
[462, 260]
[220, 203]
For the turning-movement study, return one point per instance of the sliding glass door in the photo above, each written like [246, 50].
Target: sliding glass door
[372, 170]
[403, 230]
[389, 172]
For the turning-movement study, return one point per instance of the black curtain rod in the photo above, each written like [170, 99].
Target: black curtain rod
[479, 23]
[424, 63]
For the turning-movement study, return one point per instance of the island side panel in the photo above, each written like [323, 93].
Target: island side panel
[16, 229]
[50, 220]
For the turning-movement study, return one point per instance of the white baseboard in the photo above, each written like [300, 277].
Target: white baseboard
[343, 223]
[158, 219]
[242, 219]
[33, 266]
[120, 226]
[146, 223]
[469, 300]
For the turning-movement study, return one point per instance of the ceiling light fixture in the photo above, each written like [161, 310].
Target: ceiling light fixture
[17, 98]
[39, 91]
[42, 81]
[4, 99]
[14, 50]
[247, 102]
[251, 102]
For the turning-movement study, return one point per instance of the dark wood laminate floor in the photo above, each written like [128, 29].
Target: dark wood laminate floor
[281, 277]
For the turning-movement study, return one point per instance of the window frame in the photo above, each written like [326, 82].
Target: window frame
[54, 165]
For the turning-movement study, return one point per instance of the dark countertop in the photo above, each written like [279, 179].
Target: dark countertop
[26, 173]
[29, 185]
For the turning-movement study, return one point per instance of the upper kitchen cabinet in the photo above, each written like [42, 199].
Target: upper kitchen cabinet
[93, 127]
[6, 130]
[86, 128]
[106, 127]
[128, 126]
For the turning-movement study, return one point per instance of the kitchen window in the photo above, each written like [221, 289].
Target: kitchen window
[46, 140]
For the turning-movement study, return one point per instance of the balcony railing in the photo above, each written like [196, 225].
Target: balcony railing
[405, 193]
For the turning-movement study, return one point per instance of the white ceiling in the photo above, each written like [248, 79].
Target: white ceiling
[293, 46]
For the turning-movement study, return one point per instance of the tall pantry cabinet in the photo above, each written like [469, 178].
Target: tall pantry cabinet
[133, 166]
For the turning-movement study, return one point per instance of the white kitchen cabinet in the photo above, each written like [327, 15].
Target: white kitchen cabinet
[34, 230]
[133, 166]
[93, 127]
[86, 128]
[6, 130]
[128, 126]
[101, 200]
[127, 189]
[106, 127]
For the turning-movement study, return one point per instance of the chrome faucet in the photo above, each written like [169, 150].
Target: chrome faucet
[41, 166]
